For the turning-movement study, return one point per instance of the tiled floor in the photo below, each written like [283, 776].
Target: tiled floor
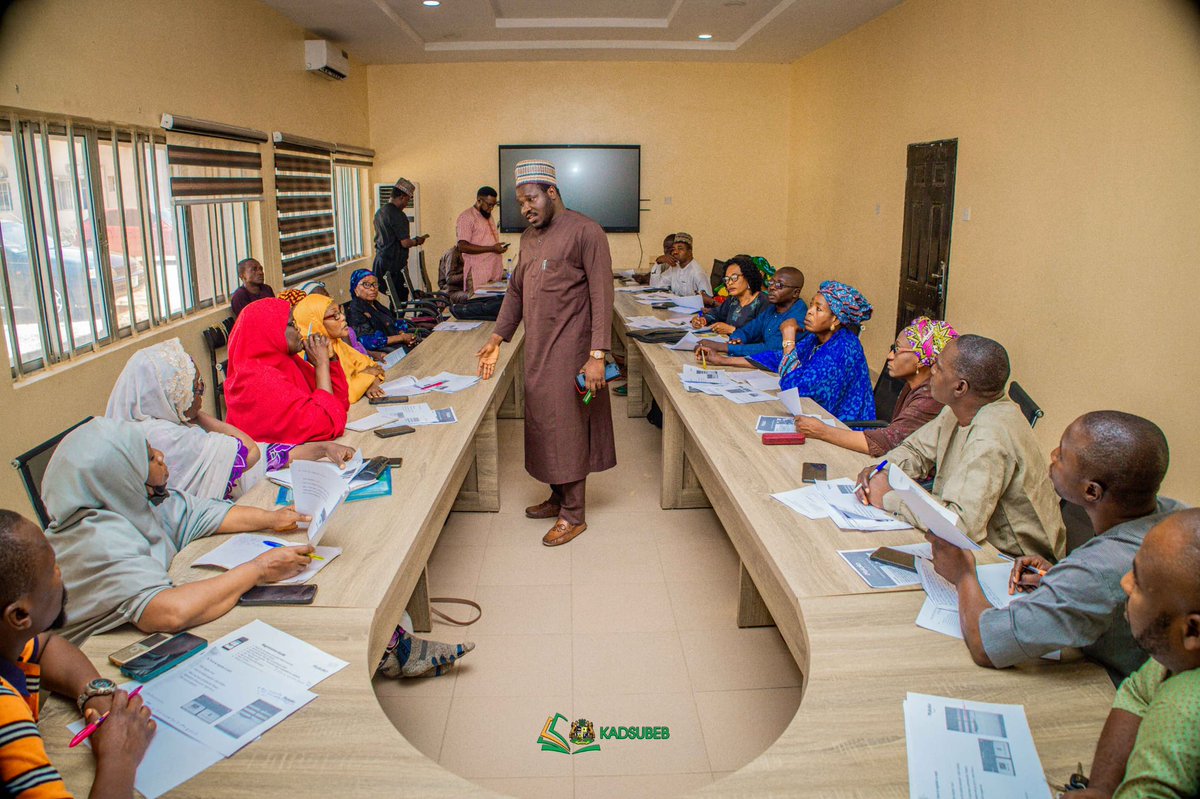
[631, 624]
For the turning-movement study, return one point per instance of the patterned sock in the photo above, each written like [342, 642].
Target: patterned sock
[425, 656]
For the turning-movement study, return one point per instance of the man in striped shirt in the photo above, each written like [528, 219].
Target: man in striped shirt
[33, 601]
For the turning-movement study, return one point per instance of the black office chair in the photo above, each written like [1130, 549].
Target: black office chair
[216, 338]
[227, 323]
[887, 391]
[31, 466]
[1031, 409]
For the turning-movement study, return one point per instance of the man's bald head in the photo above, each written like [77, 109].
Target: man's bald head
[791, 275]
[1174, 547]
[1164, 594]
[982, 362]
[1126, 454]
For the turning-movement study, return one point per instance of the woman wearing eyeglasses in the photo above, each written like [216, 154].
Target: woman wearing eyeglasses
[912, 356]
[363, 375]
[743, 284]
[377, 327]
[160, 390]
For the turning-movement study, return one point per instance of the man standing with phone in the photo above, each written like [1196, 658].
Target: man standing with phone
[562, 289]
[392, 241]
[479, 242]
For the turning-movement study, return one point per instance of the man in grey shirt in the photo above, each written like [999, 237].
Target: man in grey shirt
[1111, 464]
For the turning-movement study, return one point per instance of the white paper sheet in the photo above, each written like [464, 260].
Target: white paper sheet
[449, 382]
[419, 415]
[759, 381]
[805, 501]
[171, 759]
[976, 749]
[938, 519]
[318, 489]
[693, 302]
[366, 423]
[688, 343]
[775, 424]
[744, 395]
[850, 514]
[456, 327]
[394, 357]
[277, 654]
[245, 547]
[791, 400]
[882, 575]
[694, 374]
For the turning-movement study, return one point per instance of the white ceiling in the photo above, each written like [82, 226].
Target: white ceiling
[405, 31]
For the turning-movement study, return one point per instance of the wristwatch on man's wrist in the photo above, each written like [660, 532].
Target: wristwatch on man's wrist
[97, 687]
[598, 355]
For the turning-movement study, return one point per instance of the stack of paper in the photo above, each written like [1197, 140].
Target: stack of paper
[412, 386]
[940, 611]
[961, 748]
[224, 698]
[707, 381]
[646, 323]
[418, 415]
[775, 424]
[349, 471]
[456, 326]
[693, 303]
[759, 381]
[245, 547]
[835, 500]
[743, 395]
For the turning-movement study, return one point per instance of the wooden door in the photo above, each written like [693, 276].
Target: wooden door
[928, 214]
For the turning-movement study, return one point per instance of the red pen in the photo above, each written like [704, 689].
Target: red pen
[433, 385]
[86, 732]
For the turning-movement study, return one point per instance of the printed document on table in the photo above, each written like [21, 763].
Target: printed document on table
[171, 759]
[222, 702]
[937, 518]
[805, 501]
[420, 414]
[883, 575]
[688, 343]
[245, 547]
[694, 374]
[958, 748]
[775, 424]
[692, 302]
[993, 579]
[849, 513]
[759, 381]
[394, 357]
[318, 489]
[449, 383]
[360, 426]
[744, 395]
[791, 400]
[456, 326]
[277, 654]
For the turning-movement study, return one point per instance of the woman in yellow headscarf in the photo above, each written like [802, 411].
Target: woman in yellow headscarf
[363, 375]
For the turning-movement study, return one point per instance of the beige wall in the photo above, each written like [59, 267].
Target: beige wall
[1079, 150]
[713, 138]
[233, 61]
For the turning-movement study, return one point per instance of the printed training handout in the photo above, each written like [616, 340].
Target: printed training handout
[939, 613]
[744, 395]
[693, 302]
[456, 327]
[245, 547]
[394, 357]
[367, 423]
[419, 415]
[318, 489]
[694, 374]
[937, 518]
[759, 381]
[688, 343]
[791, 400]
[775, 424]
[976, 749]
[806, 501]
[849, 513]
[884, 575]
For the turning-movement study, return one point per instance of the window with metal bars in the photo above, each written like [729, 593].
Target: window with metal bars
[93, 245]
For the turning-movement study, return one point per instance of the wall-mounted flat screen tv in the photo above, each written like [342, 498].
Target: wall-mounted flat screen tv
[602, 181]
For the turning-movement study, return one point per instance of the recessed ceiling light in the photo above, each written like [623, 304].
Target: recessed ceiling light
[431, 3]
[704, 36]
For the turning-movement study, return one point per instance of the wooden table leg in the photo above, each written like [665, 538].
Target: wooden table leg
[638, 404]
[752, 610]
[418, 605]
[680, 486]
[513, 406]
[480, 490]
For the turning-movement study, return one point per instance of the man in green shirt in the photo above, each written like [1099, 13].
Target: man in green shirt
[1150, 745]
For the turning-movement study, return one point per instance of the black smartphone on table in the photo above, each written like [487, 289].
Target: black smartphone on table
[279, 595]
[163, 656]
[387, 400]
[396, 430]
[895, 557]
[812, 472]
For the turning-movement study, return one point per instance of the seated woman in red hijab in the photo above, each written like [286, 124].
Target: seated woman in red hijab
[271, 393]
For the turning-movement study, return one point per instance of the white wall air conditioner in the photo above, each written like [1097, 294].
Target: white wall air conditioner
[321, 56]
[383, 195]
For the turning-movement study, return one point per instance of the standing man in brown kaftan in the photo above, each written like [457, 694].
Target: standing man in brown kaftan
[562, 289]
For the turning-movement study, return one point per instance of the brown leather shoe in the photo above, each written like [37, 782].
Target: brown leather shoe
[562, 532]
[546, 510]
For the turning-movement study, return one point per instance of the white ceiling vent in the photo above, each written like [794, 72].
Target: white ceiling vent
[321, 56]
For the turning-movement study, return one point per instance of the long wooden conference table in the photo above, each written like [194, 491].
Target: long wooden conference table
[858, 649]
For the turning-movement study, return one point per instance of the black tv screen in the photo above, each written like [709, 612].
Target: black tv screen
[602, 181]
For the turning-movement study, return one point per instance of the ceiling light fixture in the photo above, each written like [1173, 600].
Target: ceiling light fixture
[705, 36]
[431, 3]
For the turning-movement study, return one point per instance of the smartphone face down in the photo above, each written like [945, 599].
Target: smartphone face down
[279, 595]
[164, 656]
[813, 472]
[895, 557]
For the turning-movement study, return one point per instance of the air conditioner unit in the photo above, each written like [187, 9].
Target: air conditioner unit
[321, 56]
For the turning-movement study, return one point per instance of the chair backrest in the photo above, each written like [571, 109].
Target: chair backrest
[216, 338]
[427, 287]
[227, 323]
[887, 391]
[1031, 409]
[31, 466]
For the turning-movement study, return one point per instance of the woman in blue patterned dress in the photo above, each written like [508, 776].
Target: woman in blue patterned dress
[827, 362]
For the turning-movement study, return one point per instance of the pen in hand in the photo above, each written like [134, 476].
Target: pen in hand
[864, 485]
[87, 731]
[276, 544]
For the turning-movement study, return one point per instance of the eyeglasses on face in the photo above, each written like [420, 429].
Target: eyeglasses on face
[733, 278]
[335, 315]
[897, 350]
[779, 284]
[366, 283]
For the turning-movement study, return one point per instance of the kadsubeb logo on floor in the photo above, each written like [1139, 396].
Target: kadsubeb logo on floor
[581, 735]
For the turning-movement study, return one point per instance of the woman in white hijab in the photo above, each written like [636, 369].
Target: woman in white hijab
[115, 526]
[161, 390]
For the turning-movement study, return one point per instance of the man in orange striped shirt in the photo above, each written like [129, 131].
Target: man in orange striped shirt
[33, 601]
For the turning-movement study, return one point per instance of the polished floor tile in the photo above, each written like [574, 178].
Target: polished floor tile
[494, 737]
[683, 752]
[539, 666]
[738, 726]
